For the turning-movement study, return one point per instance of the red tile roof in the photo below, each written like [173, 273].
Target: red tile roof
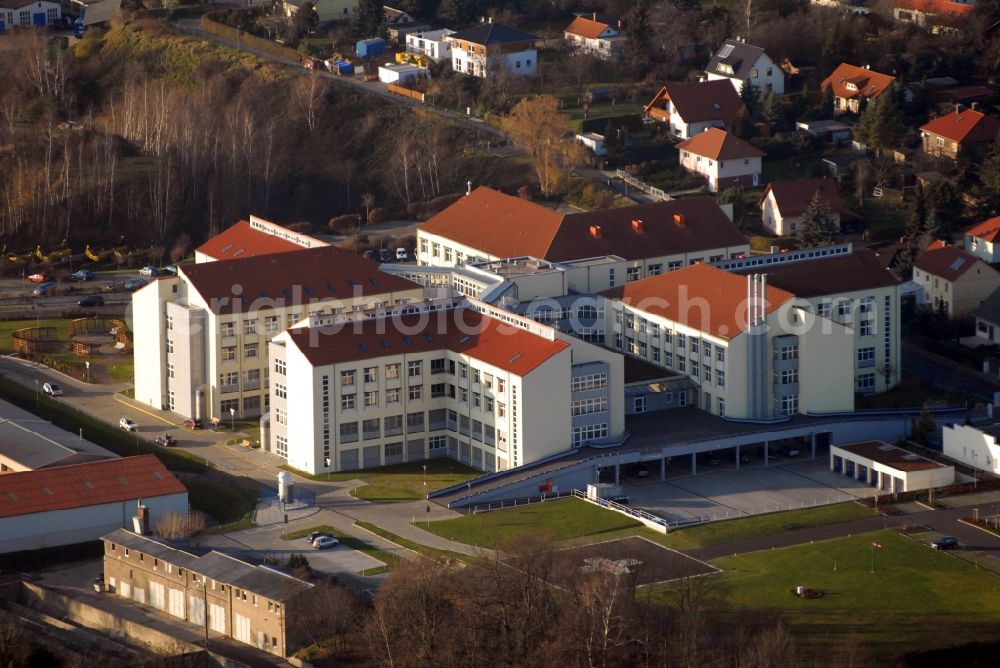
[861, 270]
[891, 456]
[965, 127]
[307, 275]
[241, 240]
[793, 197]
[460, 330]
[65, 487]
[701, 100]
[988, 230]
[679, 296]
[585, 27]
[947, 262]
[868, 83]
[936, 7]
[505, 226]
[716, 144]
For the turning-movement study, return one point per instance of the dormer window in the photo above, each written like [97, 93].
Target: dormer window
[851, 86]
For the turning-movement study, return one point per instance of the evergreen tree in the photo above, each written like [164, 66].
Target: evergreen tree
[743, 126]
[989, 180]
[368, 18]
[826, 102]
[458, 11]
[923, 427]
[881, 123]
[751, 98]
[771, 109]
[818, 227]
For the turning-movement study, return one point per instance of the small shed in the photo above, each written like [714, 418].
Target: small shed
[401, 73]
[831, 131]
[594, 142]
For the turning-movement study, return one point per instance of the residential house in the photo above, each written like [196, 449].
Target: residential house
[855, 290]
[691, 108]
[455, 378]
[400, 24]
[256, 605]
[201, 336]
[483, 50]
[78, 503]
[753, 351]
[29, 14]
[607, 247]
[598, 38]
[784, 202]
[987, 316]
[723, 159]
[939, 15]
[326, 10]
[953, 280]
[741, 64]
[854, 86]
[983, 240]
[965, 131]
[431, 44]
[973, 446]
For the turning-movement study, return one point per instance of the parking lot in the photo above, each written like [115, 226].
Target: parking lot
[748, 491]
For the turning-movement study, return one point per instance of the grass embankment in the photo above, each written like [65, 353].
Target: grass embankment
[400, 482]
[232, 506]
[916, 597]
[388, 558]
[431, 552]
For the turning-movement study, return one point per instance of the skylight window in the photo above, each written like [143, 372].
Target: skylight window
[957, 264]
[726, 50]
[363, 347]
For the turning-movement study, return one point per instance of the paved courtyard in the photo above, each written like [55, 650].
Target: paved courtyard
[748, 491]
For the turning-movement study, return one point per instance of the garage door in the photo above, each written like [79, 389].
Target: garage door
[241, 629]
[176, 601]
[139, 595]
[156, 597]
[217, 618]
[126, 589]
[196, 609]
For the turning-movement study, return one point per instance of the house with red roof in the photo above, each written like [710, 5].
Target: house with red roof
[939, 15]
[855, 86]
[446, 378]
[983, 240]
[952, 280]
[723, 159]
[962, 131]
[753, 351]
[63, 505]
[690, 108]
[200, 338]
[600, 38]
[249, 238]
[784, 202]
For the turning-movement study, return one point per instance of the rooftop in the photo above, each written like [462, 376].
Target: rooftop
[793, 197]
[459, 329]
[866, 82]
[283, 279]
[701, 100]
[861, 270]
[248, 239]
[735, 59]
[489, 34]
[947, 262]
[585, 27]
[716, 144]
[988, 230]
[936, 7]
[680, 295]
[964, 126]
[34, 443]
[989, 308]
[891, 456]
[80, 485]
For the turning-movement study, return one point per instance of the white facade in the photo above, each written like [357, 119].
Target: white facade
[973, 447]
[401, 74]
[765, 75]
[431, 44]
[888, 468]
[746, 171]
[608, 45]
[523, 63]
[38, 14]
[435, 401]
[785, 225]
[593, 141]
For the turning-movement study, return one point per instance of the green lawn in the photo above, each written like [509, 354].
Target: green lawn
[563, 519]
[400, 482]
[388, 558]
[8, 327]
[916, 597]
[717, 533]
[231, 506]
[432, 552]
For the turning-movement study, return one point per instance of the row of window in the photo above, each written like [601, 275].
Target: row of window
[437, 420]
[639, 325]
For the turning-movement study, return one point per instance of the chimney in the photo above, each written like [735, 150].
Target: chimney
[679, 220]
[491, 19]
[595, 231]
[974, 106]
[958, 107]
[637, 226]
[468, 188]
[595, 17]
[140, 523]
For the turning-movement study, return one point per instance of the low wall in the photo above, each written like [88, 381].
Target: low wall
[406, 92]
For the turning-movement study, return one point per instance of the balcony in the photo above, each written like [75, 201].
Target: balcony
[226, 389]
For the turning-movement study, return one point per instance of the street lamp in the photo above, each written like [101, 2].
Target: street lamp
[468, 499]
[232, 419]
[425, 481]
[36, 393]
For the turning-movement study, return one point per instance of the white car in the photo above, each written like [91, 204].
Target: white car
[52, 389]
[401, 254]
[323, 542]
[127, 425]
[149, 270]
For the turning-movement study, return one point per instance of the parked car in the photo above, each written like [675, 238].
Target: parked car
[83, 275]
[790, 452]
[312, 537]
[170, 270]
[149, 270]
[642, 472]
[192, 424]
[323, 542]
[369, 254]
[40, 277]
[52, 389]
[127, 425]
[945, 543]
[134, 284]
[166, 440]
[402, 255]
[45, 288]
[384, 255]
[91, 301]
[113, 286]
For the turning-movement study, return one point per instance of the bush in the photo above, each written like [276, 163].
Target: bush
[345, 223]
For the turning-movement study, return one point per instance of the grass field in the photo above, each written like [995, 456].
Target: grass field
[387, 558]
[401, 482]
[915, 598]
[231, 506]
[432, 552]
[8, 327]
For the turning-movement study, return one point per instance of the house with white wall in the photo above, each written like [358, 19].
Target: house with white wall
[972, 446]
[744, 64]
[431, 44]
[784, 202]
[485, 49]
[724, 160]
[983, 240]
[602, 39]
[29, 14]
[691, 108]
[853, 87]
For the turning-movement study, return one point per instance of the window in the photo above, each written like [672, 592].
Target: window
[371, 429]
[655, 269]
[695, 369]
[694, 346]
[438, 389]
[228, 329]
[414, 368]
[588, 406]
[500, 385]
[589, 432]
[415, 422]
[844, 307]
[371, 374]
[790, 404]
[632, 274]
[722, 407]
[639, 405]
[347, 402]
[720, 354]
[668, 358]
[416, 392]
[866, 328]
[501, 410]
[477, 400]
[250, 351]
[271, 324]
[281, 416]
[463, 371]
[280, 368]
[391, 371]
[437, 365]
[823, 309]
[392, 395]
[611, 277]
[681, 340]
[866, 356]
[348, 432]
[393, 425]
[347, 378]
[790, 353]
[789, 376]
[228, 405]
[251, 379]
[720, 378]
[249, 327]
[371, 399]
[681, 364]
[229, 382]
[866, 382]
[463, 395]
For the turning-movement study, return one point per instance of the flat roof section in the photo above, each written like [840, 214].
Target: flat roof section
[891, 456]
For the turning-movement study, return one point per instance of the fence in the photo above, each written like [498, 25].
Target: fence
[304, 498]
[406, 92]
[514, 503]
[652, 191]
[649, 519]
